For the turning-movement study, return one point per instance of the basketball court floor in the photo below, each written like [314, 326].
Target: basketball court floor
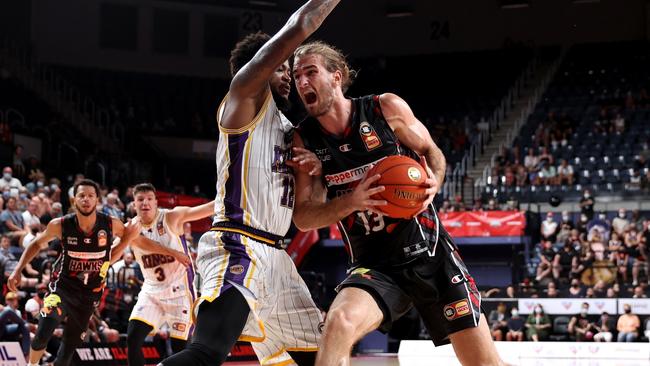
[393, 360]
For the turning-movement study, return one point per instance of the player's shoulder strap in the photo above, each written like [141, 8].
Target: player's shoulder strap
[268, 104]
[68, 224]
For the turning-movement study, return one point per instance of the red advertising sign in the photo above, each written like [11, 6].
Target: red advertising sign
[484, 223]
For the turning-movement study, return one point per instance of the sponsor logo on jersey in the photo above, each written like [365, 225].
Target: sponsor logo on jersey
[179, 327]
[85, 265]
[161, 228]
[323, 154]
[154, 260]
[102, 238]
[88, 241]
[456, 310]
[71, 240]
[414, 174]
[345, 148]
[236, 269]
[457, 279]
[348, 176]
[369, 136]
[279, 159]
[87, 255]
[104, 270]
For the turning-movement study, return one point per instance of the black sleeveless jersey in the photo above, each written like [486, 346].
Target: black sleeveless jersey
[85, 258]
[371, 240]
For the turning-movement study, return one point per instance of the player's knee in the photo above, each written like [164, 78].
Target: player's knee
[39, 342]
[342, 322]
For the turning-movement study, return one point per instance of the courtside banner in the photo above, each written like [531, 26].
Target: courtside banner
[113, 354]
[484, 223]
[568, 306]
[11, 354]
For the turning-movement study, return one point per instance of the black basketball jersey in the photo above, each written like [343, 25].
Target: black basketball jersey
[85, 258]
[371, 240]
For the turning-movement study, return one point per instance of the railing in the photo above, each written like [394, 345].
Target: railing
[92, 119]
[20, 117]
[519, 122]
[477, 147]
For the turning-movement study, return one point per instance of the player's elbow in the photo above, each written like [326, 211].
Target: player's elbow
[301, 220]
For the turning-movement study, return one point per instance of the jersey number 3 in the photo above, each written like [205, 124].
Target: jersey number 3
[160, 274]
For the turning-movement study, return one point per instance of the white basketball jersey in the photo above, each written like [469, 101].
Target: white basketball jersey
[163, 274]
[254, 185]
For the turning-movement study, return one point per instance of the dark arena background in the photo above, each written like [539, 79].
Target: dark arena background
[541, 108]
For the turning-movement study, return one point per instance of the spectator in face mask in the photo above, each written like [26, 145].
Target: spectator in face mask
[620, 222]
[604, 327]
[600, 224]
[628, 325]
[515, 327]
[575, 291]
[565, 227]
[580, 326]
[587, 204]
[582, 224]
[538, 325]
[8, 179]
[549, 228]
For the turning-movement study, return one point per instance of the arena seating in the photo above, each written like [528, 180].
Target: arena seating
[597, 86]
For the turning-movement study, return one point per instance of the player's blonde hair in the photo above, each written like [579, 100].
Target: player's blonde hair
[332, 57]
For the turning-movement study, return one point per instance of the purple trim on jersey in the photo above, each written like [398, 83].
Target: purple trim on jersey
[238, 261]
[190, 269]
[232, 200]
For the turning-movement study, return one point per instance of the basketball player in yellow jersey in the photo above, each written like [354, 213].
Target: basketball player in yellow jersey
[167, 293]
[250, 288]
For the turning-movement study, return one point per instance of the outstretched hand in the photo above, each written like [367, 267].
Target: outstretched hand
[305, 161]
[132, 229]
[14, 280]
[431, 183]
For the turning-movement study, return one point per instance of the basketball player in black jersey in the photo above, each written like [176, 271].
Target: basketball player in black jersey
[395, 263]
[79, 274]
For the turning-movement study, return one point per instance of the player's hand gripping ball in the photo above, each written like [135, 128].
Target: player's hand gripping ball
[404, 179]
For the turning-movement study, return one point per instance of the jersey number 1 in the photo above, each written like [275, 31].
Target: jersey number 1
[288, 186]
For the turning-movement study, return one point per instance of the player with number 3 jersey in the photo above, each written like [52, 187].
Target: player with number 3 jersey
[167, 294]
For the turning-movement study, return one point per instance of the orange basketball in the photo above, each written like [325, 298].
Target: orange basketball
[404, 180]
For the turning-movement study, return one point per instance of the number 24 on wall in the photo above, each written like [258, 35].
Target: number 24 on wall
[439, 30]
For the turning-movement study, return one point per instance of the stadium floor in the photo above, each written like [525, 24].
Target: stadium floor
[392, 360]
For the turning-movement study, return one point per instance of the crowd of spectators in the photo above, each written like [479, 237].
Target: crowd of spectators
[510, 325]
[29, 201]
[594, 248]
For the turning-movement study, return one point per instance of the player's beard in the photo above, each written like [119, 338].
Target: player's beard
[84, 213]
[284, 104]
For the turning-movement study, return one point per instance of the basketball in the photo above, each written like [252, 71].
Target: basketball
[404, 180]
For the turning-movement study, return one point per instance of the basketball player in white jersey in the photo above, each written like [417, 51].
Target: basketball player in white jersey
[251, 289]
[167, 293]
